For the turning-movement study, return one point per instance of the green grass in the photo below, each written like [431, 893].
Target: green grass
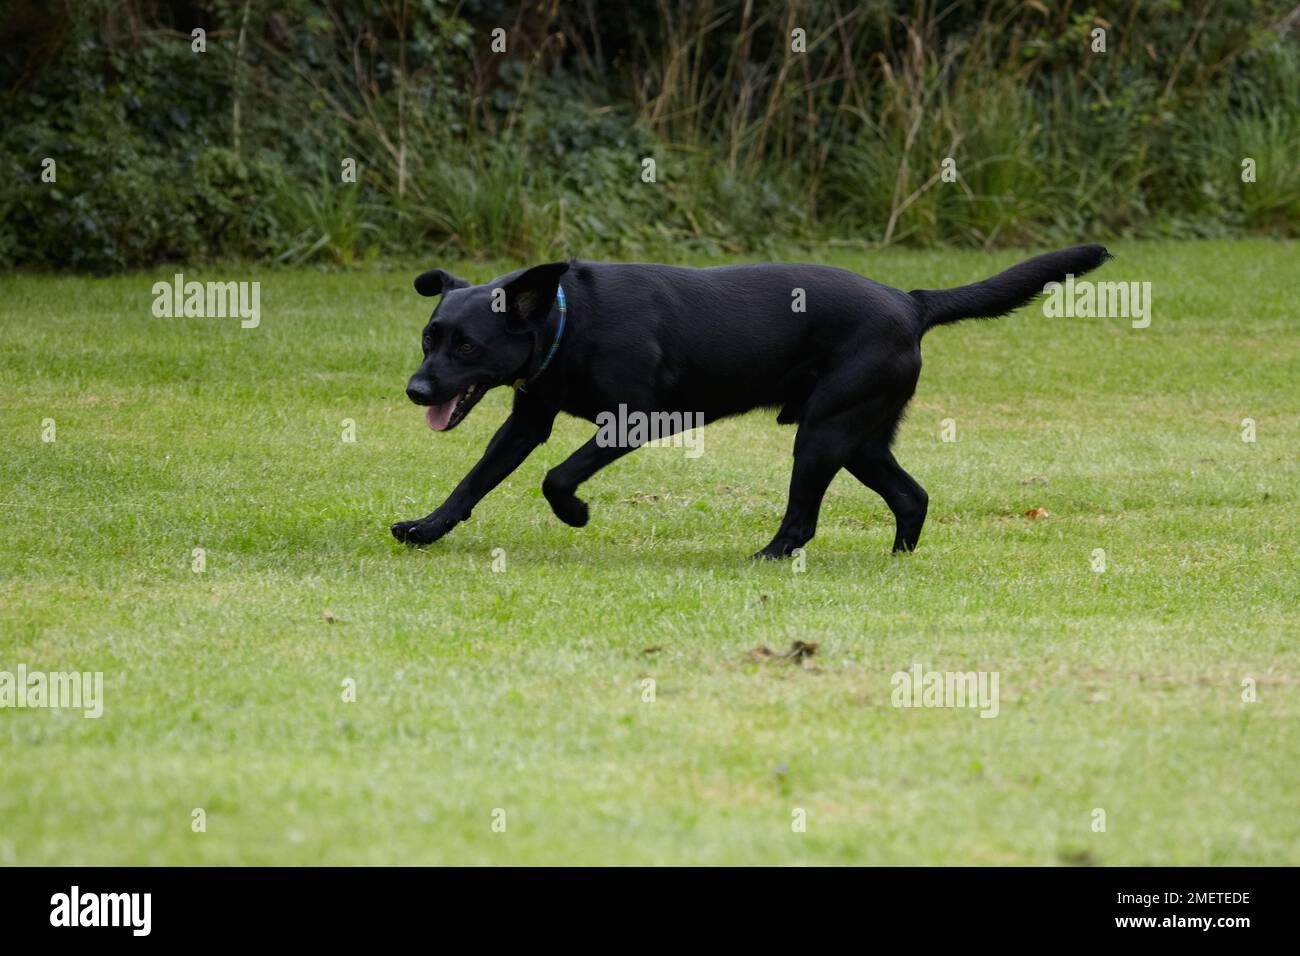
[522, 690]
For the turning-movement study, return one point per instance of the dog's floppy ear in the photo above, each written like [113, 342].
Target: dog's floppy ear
[529, 296]
[438, 281]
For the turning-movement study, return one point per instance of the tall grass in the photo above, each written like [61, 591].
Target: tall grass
[327, 222]
[771, 123]
[484, 200]
[1048, 138]
[762, 139]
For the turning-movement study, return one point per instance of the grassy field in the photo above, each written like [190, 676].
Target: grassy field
[523, 690]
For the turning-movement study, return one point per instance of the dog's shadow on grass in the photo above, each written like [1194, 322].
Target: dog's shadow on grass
[728, 556]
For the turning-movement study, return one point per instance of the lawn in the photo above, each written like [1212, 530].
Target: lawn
[524, 688]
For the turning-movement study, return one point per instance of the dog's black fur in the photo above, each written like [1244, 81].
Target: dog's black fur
[716, 341]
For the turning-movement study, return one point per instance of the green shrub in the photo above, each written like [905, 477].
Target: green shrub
[168, 155]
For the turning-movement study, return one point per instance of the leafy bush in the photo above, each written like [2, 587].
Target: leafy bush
[164, 154]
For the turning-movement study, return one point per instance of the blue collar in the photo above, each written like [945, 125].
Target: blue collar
[521, 384]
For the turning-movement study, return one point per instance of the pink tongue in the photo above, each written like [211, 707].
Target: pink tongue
[439, 415]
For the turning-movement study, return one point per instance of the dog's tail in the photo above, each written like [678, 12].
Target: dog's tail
[1007, 290]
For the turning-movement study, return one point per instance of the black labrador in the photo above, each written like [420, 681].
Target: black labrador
[837, 353]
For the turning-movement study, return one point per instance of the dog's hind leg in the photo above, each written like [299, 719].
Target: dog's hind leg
[820, 450]
[562, 481]
[857, 400]
[873, 464]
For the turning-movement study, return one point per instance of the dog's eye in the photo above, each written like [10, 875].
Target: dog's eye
[465, 348]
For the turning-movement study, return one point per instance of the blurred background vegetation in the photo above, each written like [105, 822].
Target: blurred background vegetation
[167, 155]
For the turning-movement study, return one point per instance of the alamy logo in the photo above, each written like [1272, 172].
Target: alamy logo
[922, 688]
[1099, 300]
[179, 299]
[626, 429]
[102, 909]
[55, 689]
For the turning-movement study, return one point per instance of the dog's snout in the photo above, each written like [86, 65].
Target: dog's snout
[419, 391]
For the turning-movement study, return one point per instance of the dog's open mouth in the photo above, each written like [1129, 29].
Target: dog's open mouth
[451, 413]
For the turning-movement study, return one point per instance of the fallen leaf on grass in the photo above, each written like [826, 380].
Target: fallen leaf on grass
[800, 650]
[1033, 513]
[331, 619]
[799, 653]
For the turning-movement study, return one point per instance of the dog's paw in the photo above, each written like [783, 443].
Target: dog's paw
[423, 531]
[773, 552]
[567, 506]
[572, 511]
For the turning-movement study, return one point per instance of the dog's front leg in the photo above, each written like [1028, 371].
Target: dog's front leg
[523, 431]
[563, 480]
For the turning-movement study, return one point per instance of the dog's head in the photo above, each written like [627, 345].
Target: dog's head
[479, 337]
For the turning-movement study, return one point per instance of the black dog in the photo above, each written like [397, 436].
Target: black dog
[585, 338]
